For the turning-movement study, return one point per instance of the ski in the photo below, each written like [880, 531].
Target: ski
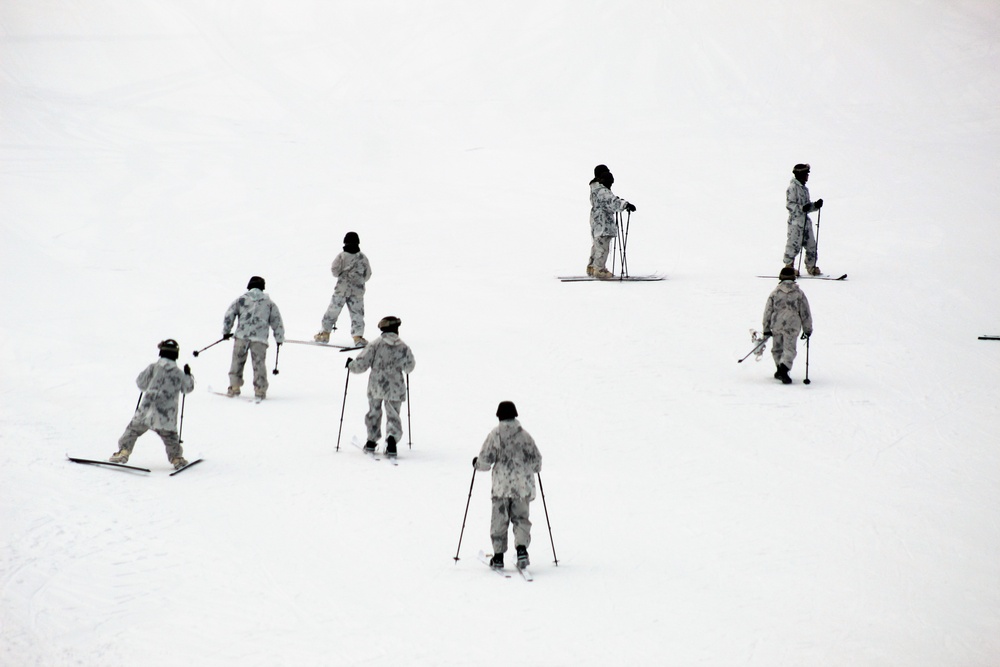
[192, 463]
[617, 279]
[107, 463]
[330, 345]
[485, 560]
[824, 277]
[989, 338]
[357, 443]
[526, 574]
[248, 399]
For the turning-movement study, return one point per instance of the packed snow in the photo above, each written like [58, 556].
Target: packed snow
[158, 153]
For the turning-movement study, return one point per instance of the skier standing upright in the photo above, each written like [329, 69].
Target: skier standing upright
[389, 358]
[160, 383]
[352, 270]
[603, 226]
[511, 452]
[800, 229]
[785, 314]
[254, 313]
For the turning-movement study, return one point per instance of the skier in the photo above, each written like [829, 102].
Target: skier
[352, 270]
[388, 357]
[160, 384]
[787, 312]
[800, 229]
[256, 313]
[603, 227]
[515, 460]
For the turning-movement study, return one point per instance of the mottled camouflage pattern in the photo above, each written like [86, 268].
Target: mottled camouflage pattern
[800, 229]
[258, 354]
[352, 271]
[515, 460]
[786, 313]
[171, 439]
[373, 419]
[507, 511]
[599, 251]
[603, 206]
[162, 383]
[256, 313]
[388, 357]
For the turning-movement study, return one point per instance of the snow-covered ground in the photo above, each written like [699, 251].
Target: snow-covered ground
[157, 153]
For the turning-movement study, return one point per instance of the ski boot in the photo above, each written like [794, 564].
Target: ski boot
[260, 394]
[178, 462]
[590, 271]
[322, 337]
[782, 374]
[359, 341]
[390, 447]
[370, 447]
[814, 271]
[121, 456]
[603, 274]
[522, 557]
[497, 562]
[232, 392]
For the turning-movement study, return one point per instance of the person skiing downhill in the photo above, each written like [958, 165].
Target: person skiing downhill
[352, 270]
[511, 452]
[388, 357]
[785, 314]
[160, 383]
[256, 313]
[800, 229]
[603, 226]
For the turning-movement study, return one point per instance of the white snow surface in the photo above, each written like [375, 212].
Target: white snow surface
[157, 153]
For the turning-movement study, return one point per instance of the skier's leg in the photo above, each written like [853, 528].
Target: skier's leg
[240, 349]
[789, 352]
[258, 355]
[373, 419]
[777, 345]
[333, 312]
[499, 522]
[393, 423]
[126, 443]
[519, 510]
[809, 243]
[356, 307]
[172, 443]
[793, 244]
[602, 248]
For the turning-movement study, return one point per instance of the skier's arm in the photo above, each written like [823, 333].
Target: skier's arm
[187, 380]
[364, 360]
[338, 265]
[487, 454]
[230, 318]
[409, 363]
[768, 311]
[805, 314]
[144, 377]
[277, 325]
[610, 200]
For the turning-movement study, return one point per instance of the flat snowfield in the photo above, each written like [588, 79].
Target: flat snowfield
[156, 154]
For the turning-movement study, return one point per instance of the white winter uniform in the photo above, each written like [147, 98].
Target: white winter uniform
[603, 226]
[352, 271]
[161, 384]
[800, 229]
[256, 315]
[389, 358]
[785, 314]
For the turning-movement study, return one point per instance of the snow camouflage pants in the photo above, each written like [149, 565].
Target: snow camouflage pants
[599, 252]
[258, 351]
[783, 344]
[799, 234]
[373, 419]
[508, 511]
[355, 306]
[171, 439]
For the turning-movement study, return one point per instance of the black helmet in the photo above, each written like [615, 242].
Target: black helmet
[390, 324]
[506, 410]
[169, 349]
[257, 282]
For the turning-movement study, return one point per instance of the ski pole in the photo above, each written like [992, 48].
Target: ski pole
[542, 489]
[409, 428]
[628, 221]
[807, 380]
[180, 431]
[614, 245]
[756, 347]
[464, 516]
[276, 353]
[197, 352]
[819, 216]
[138, 402]
[344, 404]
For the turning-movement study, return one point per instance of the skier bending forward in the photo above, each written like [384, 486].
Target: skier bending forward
[515, 460]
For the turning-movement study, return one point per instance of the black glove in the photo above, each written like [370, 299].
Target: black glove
[808, 208]
[278, 345]
[187, 370]
[806, 335]
[475, 460]
[630, 207]
[767, 334]
[227, 336]
[348, 364]
[818, 205]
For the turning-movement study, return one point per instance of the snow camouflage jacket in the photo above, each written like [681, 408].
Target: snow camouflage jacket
[256, 312]
[603, 206]
[515, 460]
[161, 384]
[796, 197]
[787, 310]
[352, 271]
[388, 357]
